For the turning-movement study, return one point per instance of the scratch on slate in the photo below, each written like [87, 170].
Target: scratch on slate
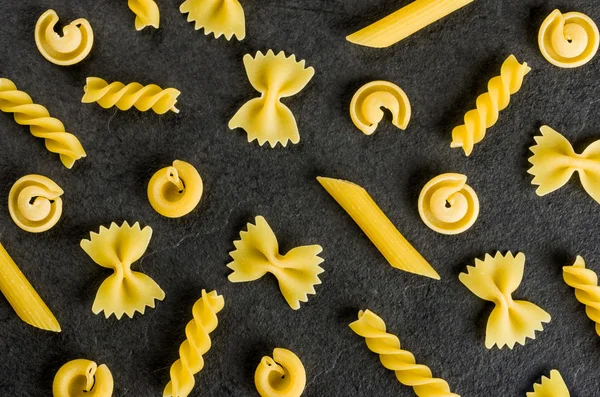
[109, 120]
[335, 362]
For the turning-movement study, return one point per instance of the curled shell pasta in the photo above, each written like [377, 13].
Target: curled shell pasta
[83, 378]
[280, 376]
[176, 190]
[34, 203]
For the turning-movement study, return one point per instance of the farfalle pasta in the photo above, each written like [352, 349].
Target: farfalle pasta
[34, 203]
[221, 17]
[176, 190]
[495, 279]
[266, 119]
[587, 291]
[146, 13]
[125, 291]
[280, 376]
[554, 386]
[257, 253]
[83, 378]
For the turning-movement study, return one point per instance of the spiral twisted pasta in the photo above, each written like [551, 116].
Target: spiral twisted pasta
[34, 203]
[40, 123]
[554, 386]
[489, 104]
[83, 378]
[280, 376]
[198, 342]
[175, 191]
[371, 327]
[124, 96]
[587, 291]
[146, 13]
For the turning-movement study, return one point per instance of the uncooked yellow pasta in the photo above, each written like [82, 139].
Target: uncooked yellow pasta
[176, 190]
[404, 22]
[221, 17]
[280, 376]
[22, 296]
[554, 386]
[83, 378]
[376, 225]
[34, 203]
[146, 13]
[587, 290]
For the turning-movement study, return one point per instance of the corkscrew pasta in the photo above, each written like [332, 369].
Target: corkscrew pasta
[554, 386]
[125, 291]
[40, 123]
[568, 40]
[587, 291]
[365, 108]
[125, 97]
[176, 190]
[448, 205]
[266, 118]
[198, 342]
[221, 17]
[72, 47]
[372, 327]
[280, 376]
[495, 279]
[257, 253]
[489, 105]
[146, 13]
[34, 203]
[83, 378]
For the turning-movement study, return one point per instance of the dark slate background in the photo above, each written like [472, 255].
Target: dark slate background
[442, 69]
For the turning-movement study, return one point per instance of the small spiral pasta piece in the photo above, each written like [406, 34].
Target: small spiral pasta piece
[83, 378]
[34, 203]
[568, 40]
[587, 291]
[448, 205]
[176, 190]
[124, 96]
[280, 376]
[70, 48]
[146, 13]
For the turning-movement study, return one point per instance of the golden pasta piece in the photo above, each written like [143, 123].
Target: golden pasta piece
[125, 291]
[83, 378]
[34, 203]
[554, 386]
[587, 291]
[266, 118]
[404, 22]
[448, 205]
[176, 190]
[568, 40]
[22, 296]
[495, 279]
[40, 123]
[376, 225]
[257, 253]
[146, 13]
[367, 103]
[196, 345]
[489, 105]
[125, 97]
[221, 17]
[554, 161]
[280, 376]
[418, 376]
[72, 47]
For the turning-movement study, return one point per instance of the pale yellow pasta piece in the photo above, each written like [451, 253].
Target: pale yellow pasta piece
[418, 376]
[176, 190]
[554, 386]
[22, 296]
[146, 13]
[125, 97]
[587, 291]
[280, 376]
[366, 104]
[72, 47]
[83, 378]
[495, 279]
[192, 350]
[376, 225]
[554, 161]
[404, 22]
[41, 124]
[568, 40]
[125, 291]
[448, 205]
[266, 118]
[34, 203]
[257, 253]
[221, 17]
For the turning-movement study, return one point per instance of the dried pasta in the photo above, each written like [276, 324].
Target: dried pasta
[125, 291]
[280, 376]
[554, 386]
[34, 203]
[196, 345]
[418, 376]
[176, 190]
[489, 105]
[376, 225]
[83, 378]
[125, 97]
[22, 296]
[554, 161]
[146, 13]
[221, 17]
[448, 205]
[404, 22]
[257, 253]
[587, 291]
[72, 47]
[568, 40]
[266, 118]
[366, 104]
[495, 279]
[40, 123]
